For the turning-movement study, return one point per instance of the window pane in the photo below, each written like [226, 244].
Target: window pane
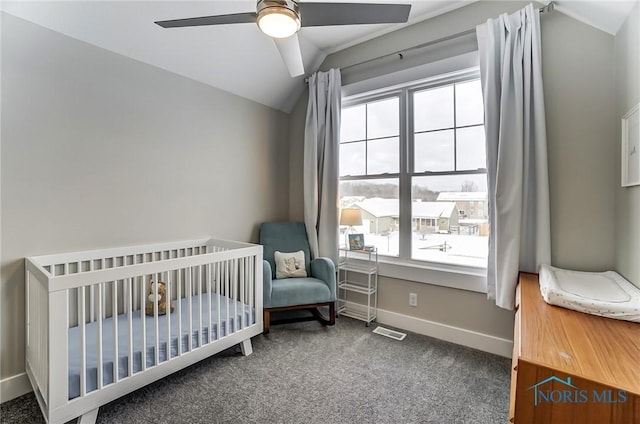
[469, 106]
[433, 109]
[383, 156]
[433, 151]
[450, 219]
[383, 118]
[352, 123]
[378, 200]
[352, 157]
[470, 148]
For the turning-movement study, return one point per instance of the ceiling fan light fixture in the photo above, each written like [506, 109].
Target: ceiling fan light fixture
[279, 21]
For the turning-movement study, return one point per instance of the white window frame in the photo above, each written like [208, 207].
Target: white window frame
[447, 274]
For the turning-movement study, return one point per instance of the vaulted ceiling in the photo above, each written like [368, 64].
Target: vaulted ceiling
[239, 58]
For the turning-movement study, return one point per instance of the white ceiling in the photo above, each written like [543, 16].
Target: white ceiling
[239, 58]
[606, 15]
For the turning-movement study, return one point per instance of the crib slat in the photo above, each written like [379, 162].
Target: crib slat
[143, 321]
[209, 303]
[249, 291]
[83, 341]
[168, 344]
[135, 285]
[252, 286]
[129, 312]
[249, 281]
[156, 324]
[235, 294]
[189, 307]
[179, 311]
[252, 283]
[218, 326]
[114, 317]
[244, 289]
[125, 298]
[99, 341]
[243, 273]
[226, 296]
[199, 277]
[103, 264]
[92, 300]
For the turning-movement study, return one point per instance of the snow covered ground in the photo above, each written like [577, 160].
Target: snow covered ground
[461, 249]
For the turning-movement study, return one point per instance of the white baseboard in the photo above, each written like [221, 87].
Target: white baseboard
[457, 335]
[14, 386]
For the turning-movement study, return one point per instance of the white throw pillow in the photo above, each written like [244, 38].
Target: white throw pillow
[290, 264]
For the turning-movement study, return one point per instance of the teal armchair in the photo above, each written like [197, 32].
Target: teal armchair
[316, 290]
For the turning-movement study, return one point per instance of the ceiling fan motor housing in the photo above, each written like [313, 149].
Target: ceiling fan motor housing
[278, 18]
[279, 4]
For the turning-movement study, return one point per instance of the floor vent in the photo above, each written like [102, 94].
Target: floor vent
[389, 333]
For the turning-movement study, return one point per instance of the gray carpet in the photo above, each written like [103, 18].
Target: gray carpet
[306, 373]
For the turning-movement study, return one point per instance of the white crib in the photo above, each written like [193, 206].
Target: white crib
[88, 338]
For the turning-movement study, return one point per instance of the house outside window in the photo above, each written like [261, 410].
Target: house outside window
[412, 158]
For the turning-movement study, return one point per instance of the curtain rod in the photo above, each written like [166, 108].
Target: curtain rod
[400, 53]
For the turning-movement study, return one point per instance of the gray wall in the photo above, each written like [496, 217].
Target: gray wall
[580, 109]
[578, 76]
[457, 308]
[627, 60]
[99, 150]
[296, 157]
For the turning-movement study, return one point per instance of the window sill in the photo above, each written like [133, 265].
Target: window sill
[439, 274]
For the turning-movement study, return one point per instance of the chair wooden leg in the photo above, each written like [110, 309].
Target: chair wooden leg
[332, 315]
[266, 317]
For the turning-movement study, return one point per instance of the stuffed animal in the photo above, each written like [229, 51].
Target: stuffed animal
[158, 291]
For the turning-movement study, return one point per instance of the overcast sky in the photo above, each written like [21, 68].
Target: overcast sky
[434, 150]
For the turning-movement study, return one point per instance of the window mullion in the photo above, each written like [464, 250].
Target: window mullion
[406, 166]
[455, 132]
[366, 139]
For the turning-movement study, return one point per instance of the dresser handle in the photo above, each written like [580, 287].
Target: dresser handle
[515, 368]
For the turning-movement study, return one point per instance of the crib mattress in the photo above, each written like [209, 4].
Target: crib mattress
[91, 331]
[605, 294]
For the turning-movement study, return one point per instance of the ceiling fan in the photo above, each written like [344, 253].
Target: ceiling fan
[282, 19]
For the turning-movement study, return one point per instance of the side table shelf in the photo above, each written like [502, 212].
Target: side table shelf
[358, 273]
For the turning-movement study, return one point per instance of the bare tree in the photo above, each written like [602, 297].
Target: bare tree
[424, 194]
[469, 185]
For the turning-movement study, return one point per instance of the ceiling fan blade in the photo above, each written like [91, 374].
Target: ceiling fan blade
[235, 18]
[321, 14]
[289, 49]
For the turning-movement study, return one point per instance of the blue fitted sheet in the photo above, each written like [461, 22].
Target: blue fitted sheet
[91, 331]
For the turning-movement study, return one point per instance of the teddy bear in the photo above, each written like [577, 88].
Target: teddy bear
[158, 291]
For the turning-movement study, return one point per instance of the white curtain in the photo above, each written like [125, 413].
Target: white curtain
[511, 72]
[321, 150]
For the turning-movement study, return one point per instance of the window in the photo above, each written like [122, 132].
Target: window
[413, 160]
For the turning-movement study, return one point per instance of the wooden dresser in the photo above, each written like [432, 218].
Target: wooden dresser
[570, 367]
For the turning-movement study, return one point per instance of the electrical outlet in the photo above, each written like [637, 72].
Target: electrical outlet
[413, 299]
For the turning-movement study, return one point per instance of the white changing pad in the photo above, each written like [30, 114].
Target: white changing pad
[606, 294]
